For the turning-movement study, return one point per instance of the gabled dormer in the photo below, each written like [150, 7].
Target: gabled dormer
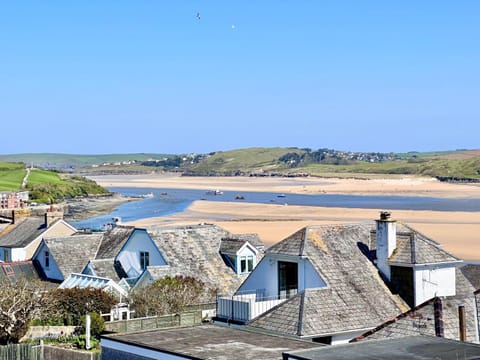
[130, 247]
[240, 255]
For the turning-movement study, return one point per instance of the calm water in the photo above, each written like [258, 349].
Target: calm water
[170, 201]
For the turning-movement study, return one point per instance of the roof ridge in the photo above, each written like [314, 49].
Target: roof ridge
[300, 314]
[303, 243]
[98, 247]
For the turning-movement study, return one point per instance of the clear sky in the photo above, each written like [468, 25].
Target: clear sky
[151, 76]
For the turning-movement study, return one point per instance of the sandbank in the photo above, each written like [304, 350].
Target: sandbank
[458, 232]
[388, 185]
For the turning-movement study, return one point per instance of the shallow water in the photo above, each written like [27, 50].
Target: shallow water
[171, 201]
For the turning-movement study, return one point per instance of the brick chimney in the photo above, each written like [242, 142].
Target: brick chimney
[386, 238]
[52, 215]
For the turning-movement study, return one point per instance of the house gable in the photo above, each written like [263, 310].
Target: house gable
[139, 252]
[46, 261]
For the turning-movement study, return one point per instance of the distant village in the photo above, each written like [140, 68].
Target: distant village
[379, 287]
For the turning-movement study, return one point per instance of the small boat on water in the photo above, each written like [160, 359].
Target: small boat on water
[214, 192]
[239, 197]
[164, 193]
[281, 195]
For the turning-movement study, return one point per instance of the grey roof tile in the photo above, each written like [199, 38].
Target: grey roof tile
[195, 251]
[108, 268]
[113, 241]
[72, 253]
[356, 297]
[23, 232]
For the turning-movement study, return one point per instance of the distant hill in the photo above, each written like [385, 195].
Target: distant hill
[454, 165]
[72, 161]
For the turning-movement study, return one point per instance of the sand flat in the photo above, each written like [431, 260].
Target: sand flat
[458, 232]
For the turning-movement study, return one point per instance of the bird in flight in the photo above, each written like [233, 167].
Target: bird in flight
[198, 15]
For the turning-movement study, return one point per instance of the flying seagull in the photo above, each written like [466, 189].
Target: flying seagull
[198, 15]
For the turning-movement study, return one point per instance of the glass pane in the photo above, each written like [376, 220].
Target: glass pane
[243, 265]
[250, 263]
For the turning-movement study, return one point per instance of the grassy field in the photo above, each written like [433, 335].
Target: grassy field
[46, 186]
[11, 176]
[38, 176]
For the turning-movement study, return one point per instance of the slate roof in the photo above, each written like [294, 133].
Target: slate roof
[23, 232]
[355, 298]
[416, 248]
[12, 271]
[194, 251]
[72, 253]
[420, 321]
[472, 273]
[232, 246]
[412, 348]
[108, 268]
[251, 238]
[113, 241]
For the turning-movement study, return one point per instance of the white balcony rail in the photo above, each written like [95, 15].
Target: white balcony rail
[247, 305]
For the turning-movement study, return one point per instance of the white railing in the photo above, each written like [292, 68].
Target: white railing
[245, 306]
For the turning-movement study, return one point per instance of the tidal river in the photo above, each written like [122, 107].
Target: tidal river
[158, 202]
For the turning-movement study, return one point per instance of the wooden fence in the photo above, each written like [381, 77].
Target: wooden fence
[31, 351]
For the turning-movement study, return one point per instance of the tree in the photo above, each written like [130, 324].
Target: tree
[167, 295]
[20, 302]
[70, 305]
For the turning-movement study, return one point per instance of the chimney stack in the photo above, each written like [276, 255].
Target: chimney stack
[52, 215]
[386, 239]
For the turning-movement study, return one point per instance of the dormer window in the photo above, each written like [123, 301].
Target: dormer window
[6, 255]
[144, 259]
[47, 259]
[246, 264]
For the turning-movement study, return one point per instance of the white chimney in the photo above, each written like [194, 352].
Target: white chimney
[386, 237]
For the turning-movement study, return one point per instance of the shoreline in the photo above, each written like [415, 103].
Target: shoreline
[458, 232]
[387, 185]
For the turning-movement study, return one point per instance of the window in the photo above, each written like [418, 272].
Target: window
[47, 259]
[6, 256]
[246, 264]
[8, 270]
[287, 279]
[144, 259]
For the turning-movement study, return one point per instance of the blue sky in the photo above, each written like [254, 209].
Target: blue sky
[149, 76]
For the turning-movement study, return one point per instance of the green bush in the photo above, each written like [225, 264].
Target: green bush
[97, 324]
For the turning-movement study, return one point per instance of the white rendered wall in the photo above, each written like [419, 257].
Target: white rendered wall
[431, 282]
[52, 272]
[18, 254]
[265, 276]
[386, 239]
[129, 256]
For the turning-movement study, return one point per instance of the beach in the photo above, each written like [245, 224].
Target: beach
[457, 232]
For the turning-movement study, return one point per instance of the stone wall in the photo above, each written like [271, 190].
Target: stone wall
[36, 332]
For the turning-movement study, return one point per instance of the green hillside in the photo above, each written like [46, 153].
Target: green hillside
[11, 176]
[259, 161]
[46, 186]
[243, 160]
